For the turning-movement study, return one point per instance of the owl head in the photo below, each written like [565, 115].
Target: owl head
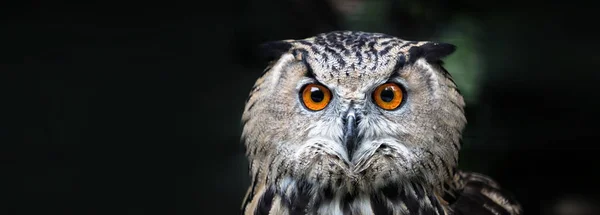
[353, 111]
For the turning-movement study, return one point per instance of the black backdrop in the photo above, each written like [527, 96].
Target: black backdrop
[134, 108]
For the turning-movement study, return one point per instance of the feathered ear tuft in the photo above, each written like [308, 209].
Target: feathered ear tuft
[431, 51]
[436, 51]
[272, 50]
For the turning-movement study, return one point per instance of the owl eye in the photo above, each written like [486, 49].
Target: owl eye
[388, 96]
[315, 96]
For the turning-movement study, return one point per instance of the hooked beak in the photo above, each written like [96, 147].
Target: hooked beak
[350, 132]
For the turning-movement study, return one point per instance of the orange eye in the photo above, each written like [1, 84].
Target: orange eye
[315, 96]
[388, 96]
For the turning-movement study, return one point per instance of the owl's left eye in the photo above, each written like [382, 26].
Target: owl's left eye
[315, 96]
[388, 96]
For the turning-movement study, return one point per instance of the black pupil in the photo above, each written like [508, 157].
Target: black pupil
[316, 94]
[387, 94]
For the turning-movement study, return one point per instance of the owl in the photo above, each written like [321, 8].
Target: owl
[351, 122]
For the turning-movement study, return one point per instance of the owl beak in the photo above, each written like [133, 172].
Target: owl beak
[350, 132]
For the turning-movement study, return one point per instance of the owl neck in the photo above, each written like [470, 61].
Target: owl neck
[300, 197]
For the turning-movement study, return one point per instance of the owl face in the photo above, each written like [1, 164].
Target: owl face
[354, 111]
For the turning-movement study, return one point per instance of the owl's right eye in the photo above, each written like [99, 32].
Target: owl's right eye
[315, 96]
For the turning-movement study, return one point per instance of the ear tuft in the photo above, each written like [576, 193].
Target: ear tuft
[436, 51]
[274, 49]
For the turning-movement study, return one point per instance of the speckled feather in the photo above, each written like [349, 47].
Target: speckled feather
[405, 160]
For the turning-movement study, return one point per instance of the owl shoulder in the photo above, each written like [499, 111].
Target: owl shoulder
[475, 193]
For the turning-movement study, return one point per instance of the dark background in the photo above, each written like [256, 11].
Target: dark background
[134, 108]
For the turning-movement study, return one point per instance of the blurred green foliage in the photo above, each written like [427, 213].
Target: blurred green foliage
[466, 63]
[368, 16]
